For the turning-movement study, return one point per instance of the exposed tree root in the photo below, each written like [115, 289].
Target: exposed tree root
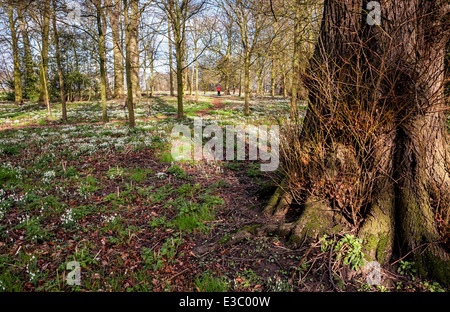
[378, 228]
[420, 235]
[279, 202]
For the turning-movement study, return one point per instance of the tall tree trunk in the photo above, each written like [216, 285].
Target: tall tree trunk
[105, 27]
[43, 90]
[247, 85]
[259, 75]
[134, 47]
[102, 65]
[273, 72]
[178, 26]
[240, 83]
[373, 153]
[196, 70]
[114, 16]
[128, 70]
[169, 34]
[15, 47]
[58, 64]
[296, 59]
[180, 91]
[29, 89]
[151, 58]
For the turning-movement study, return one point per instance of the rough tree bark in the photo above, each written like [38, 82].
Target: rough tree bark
[373, 154]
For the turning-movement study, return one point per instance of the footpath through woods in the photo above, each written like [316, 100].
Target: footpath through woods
[217, 103]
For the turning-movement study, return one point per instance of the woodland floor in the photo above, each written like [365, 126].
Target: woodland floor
[115, 201]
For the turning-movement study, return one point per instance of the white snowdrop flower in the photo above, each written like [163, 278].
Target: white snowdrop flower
[161, 175]
[109, 219]
[48, 176]
[67, 217]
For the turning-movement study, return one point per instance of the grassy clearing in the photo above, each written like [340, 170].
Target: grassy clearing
[107, 197]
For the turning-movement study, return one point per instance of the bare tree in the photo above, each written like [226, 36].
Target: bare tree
[178, 13]
[251, 25]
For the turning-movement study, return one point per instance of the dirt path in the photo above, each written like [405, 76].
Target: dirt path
[217, 104]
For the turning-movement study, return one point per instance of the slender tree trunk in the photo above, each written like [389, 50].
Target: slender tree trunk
[102, 65]
[272, 77]
[105, 26]
[151, 85]
[240, 83]
[247, 85]
[296, 59]
[15, 47]
[58, 64]
[259, 75]
[191, 82]
[179, 39]
[196, 70]
[179, 61]
[128, 70]
[43, 91]
[134, 47]
[169, 33]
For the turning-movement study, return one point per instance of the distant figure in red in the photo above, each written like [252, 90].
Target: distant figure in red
[218, 90]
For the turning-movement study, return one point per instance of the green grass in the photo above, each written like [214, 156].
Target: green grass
[177, 171]
[208, 282]
[7, 175]
[156, 259]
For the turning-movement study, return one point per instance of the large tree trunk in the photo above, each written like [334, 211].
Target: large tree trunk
[372, 155]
